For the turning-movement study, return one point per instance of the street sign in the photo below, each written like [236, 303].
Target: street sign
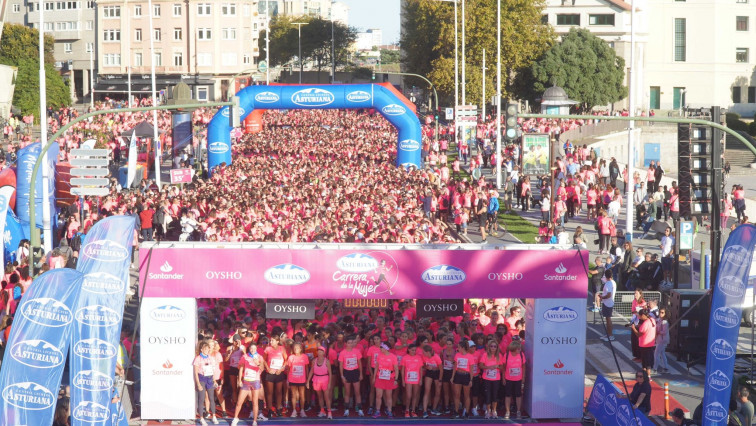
[181, 176]
[99, 192]
[89, 162]
[467, 114]
[91, 171]
[450, 113]
[687, 233]
[90, 181]
[262, 66]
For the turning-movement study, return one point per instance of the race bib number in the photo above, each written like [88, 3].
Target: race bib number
[491, 374]
[462, 363]
[276, 363]
[412, 376]
[384, 374]
[297, 370]
[399, 358]
[251, 375]
[351, 363]
[207, 370]
[431, 365]
[448, 365]
[514, 372]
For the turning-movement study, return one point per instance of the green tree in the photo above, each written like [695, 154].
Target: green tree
[585, 67]
[390, 56]
[428, 42]
[19, 48]
[316, 41]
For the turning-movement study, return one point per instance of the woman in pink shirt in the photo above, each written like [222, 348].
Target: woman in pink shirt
[412, 367]
[462, 377]
[297, 364]
[514, 376]
[432, 379]
[385, 380]
[275, 363]
[490, 365]
[646, 333]
[205, 368]
[726, 209]
[320, 376]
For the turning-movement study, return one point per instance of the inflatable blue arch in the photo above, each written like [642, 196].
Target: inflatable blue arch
[385, 100]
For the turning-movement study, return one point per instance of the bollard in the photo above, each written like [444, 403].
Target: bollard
[666, 401]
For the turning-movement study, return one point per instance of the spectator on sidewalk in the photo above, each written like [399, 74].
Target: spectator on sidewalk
[607, 300]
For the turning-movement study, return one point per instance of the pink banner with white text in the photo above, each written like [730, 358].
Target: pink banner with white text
[371, 274]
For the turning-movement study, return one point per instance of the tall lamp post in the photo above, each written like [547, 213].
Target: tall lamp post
[631, 129]
[456, 69]
[301, 64]
[333, 47]
[498, 94]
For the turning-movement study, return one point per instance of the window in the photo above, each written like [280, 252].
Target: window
[228, 9]
[156, 10]
[138, 10]
[741, 54]
[112, 59]
[90, 4]
[66, 26]
[178, 59]
[177, 9]
[245, 59]
[111, 11]
[111, 35]
[90, 47]
[204, 59]
[158, 59]
[90, 25]
[137, 59]
[202, 93]
[203, 9]
[49, 6]
[607, 19]
[204, 34]
[680, 39]
[741, 23]
[156, 34]
[229, 34]
[736, 94]
[568, 19]
[545, 19]
[741, 1]
[752, 94]
[49, 26]
[68, 47]
[228, 59]
[138, 34]
[16, 8]
[177, 34]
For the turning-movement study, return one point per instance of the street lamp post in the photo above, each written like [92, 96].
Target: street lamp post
[630, 185]
[456, 70]
[267, 43]
[301, 64]
[333, 48]
[498, 94]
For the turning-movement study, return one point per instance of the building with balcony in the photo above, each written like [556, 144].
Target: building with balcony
[72, 24]
[204, 44]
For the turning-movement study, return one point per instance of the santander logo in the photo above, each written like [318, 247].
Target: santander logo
[560, 269]
[559, 364]
[167, 364]
[166, 267]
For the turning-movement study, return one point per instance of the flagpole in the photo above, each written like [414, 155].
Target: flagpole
[155, 142]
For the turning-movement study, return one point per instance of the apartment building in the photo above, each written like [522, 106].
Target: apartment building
[72, 24]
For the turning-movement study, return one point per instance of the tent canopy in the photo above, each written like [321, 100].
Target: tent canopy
[143, 130]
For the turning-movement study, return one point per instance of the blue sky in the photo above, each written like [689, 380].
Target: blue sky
[383, 14]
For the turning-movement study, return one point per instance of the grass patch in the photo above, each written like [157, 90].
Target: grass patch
[519, 227]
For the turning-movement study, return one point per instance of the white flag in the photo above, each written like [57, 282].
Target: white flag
[131, 172]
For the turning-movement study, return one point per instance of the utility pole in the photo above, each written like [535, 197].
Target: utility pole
[301, 64]
[483, 103]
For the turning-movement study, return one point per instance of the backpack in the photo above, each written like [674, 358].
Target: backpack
[75, 242]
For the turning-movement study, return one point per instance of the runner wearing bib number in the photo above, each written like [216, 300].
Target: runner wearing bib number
[490, 366]
[514, 374]
[385, 380]
[275, 360]
[371, 355]
[350, 366]
[447, 363]
[412, 368]
[250, 367]
[205, 367]
[297, 364]
[461, 377]
[432, 382]
[320, 376]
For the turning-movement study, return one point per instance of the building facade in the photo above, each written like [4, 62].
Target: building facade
[204, 44]
[73, 25]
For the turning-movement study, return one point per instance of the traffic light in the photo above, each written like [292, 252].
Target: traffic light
[373, 74]
[511, 122]
[233, 112]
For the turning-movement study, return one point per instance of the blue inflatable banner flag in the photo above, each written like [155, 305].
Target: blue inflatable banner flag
[724, 322]
[27, 157]
[12, 236]
[35, 354]
[609, 407]
[104, 261]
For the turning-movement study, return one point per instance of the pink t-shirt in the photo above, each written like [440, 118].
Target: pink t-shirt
[412, 365]
[298, 368]
[276, 357]
[372, 354]
[464, 362]
[647, 331]
[433, 362]
[208, 366]
[515, 363]
[349, 359]
[491, 373]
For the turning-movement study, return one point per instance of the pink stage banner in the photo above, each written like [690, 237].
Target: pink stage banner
[370, 274]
